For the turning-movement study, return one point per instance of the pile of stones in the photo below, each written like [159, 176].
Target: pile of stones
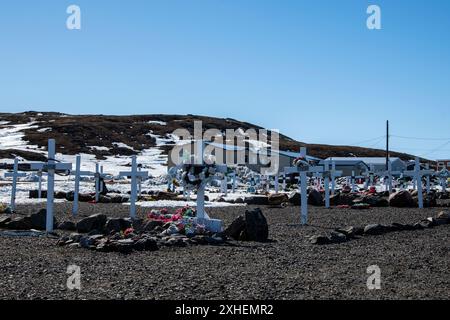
[348, 233]
[99, 233]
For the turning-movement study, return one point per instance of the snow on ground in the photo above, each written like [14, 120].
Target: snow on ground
[11, 137]
[161, 123]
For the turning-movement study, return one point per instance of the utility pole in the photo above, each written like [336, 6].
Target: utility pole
[387, 145]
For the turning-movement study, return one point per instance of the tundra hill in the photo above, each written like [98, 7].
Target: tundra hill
[106, 135]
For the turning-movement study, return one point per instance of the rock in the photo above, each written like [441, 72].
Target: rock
[124, 246]
[4, 220]
[295, 198]
[340, 199]
[351, 231]
[146, 244]
[104, 199]
[374, 229]
[236, 228]
[75, 237]
[85, 197]
[151, 225]
[402, 227]
[401, 199]
[320, 240]
[19, 223]
[60, 195]
[70, 195]
[277, 199]
[257, 200]
[94, 222]
[360, 206]
[34, 194]
[256, 228]
[444, 215]
[117, 225]
[39, 220]
[67, 225]
[315, 198]
[337, 237]
[163, 195]
[375, 201]
[239, 200]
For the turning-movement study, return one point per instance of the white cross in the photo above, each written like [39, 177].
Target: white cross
[388, 176]
[39, 174]
[418, 174]
[78, 175]
[333, 175]
[51, 166]
[15, 174]
[134, 174]
[443, 175]
[303, 171]
[327, 174]
[233, 190]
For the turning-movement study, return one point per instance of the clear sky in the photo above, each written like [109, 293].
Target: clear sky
[311, 69]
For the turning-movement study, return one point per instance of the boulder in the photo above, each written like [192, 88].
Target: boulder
[277, 199]
[34, 194]
[256, 227]
[39, 220]
[315, 198]
[295, 198]
[67, 225]
[319, 239]
[375, 201]
[104, 199]
[60, 195]
[351, 231]
[94, 222]
[444, 215]
[374, 229]
[117, 225]
[401, 199]
[70, 195]
[236, 228]
[337, 237]
[146, 244]
[4, 220]
[85, 197]
[257, 200]
[19, 223]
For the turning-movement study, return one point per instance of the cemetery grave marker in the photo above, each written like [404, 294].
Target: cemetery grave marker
[51, 166]
[14, 175]
[133, 174]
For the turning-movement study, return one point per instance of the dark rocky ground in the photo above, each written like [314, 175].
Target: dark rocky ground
[414, 264]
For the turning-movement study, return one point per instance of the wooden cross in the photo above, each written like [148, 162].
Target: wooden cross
[51, 166]
[133, 174]
[14, 175]
[303, 171]
[39, 175]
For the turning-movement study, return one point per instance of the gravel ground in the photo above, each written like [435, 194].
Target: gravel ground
[414, 264]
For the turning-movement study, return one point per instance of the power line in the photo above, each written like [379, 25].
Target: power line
[369, 140]
[417, 138]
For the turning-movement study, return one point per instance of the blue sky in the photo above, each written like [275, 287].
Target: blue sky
[308, 68]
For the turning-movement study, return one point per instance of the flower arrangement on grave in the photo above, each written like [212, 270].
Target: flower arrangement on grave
[302, 163]
[194, 175]
[181, 221]
[4, 208]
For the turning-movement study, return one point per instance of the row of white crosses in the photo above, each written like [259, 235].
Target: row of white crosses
[303, 172]
[388, 176]
[329, 174]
